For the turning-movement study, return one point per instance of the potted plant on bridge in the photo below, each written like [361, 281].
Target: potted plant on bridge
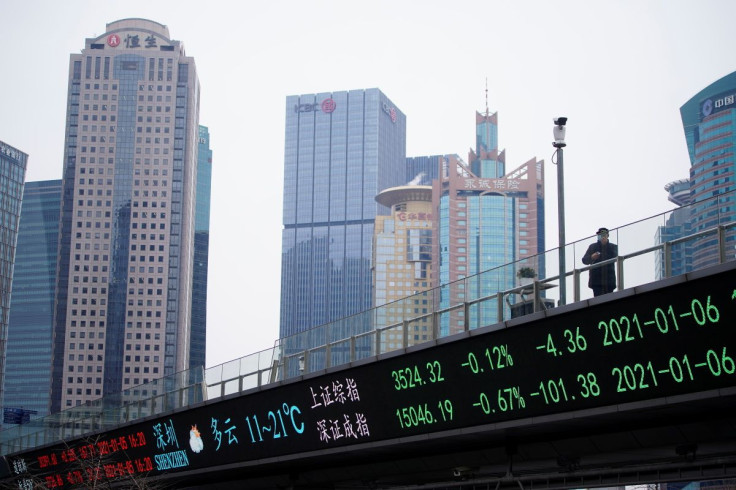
[526, 275]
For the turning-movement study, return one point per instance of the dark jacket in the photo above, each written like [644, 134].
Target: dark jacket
[605, 275]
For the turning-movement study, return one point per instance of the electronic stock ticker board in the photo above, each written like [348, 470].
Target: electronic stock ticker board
[674, 340]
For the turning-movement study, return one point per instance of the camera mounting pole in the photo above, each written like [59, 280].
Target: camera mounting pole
[559, 143]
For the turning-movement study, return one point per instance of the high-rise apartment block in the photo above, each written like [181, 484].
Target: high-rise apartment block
[124, 288]
[27, 384]
[12, 177]
[342, 149]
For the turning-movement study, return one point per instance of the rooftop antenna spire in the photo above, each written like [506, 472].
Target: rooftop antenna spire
[486, 96]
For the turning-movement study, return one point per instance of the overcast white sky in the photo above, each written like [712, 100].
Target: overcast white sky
[619, 70]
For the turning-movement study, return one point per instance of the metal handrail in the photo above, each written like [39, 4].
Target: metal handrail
[97, 416]
[536, 286]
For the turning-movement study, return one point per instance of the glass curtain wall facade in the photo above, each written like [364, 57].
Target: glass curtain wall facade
[677, 226]
[123, 305]
[28, 373]
[422, 170]
[341, 150]
[201, 251]
[13, 164]
[487, 217]
[709, 122]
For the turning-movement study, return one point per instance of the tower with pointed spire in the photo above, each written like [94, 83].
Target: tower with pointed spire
[486, 217]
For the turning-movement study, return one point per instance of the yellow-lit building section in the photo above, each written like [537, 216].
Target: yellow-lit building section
[402, 267]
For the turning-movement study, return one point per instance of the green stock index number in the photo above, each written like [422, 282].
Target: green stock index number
[412, 376]
[673, 340]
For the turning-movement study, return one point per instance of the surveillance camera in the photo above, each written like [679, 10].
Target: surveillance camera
[559, 132]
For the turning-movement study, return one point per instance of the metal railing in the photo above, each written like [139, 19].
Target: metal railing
[154, 398]
[301, 359]
[363, 335]
[421, 317]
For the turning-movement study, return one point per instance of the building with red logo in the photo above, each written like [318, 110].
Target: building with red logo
[341, 150]
[402, 265]
[124, 286]
[707, 197]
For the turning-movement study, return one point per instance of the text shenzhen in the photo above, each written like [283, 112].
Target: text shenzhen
[327, 106]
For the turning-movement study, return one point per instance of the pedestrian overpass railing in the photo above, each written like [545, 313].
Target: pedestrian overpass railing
[421, 316]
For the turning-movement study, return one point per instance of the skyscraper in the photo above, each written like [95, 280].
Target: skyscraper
[201, 250]
[341, 150]
[677, 226]
[422, 170]
[486, 217]
[12, 177]
[709, 121]
[28, 374]
[402, 264]
[124, 288]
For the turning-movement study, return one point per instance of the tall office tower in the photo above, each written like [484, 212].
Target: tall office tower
[124, 287]
[12, 177]
[422, 170]
[342, 149]
[677, 226]
[486, 218]
[402, 265]
[201, 250]
[28, 374]
[709, 120]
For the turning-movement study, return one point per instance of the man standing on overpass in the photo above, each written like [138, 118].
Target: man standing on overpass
[601, 279]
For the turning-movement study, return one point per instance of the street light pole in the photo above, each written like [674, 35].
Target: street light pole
[559, 143]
